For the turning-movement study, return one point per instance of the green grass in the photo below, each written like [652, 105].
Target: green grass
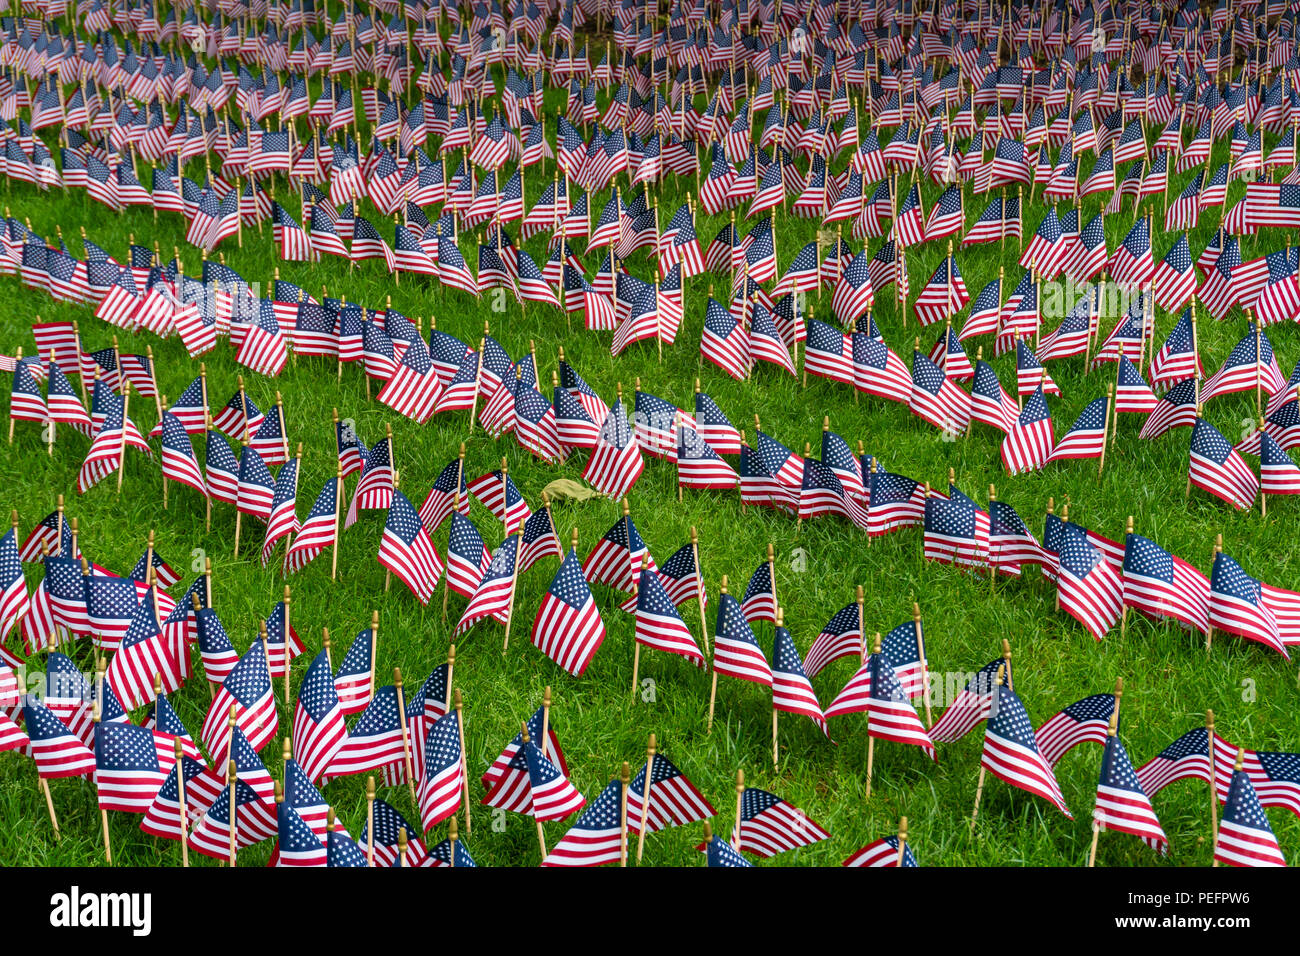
[1169, 678]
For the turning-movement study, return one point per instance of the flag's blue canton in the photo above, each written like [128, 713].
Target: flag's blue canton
[844, 621]
[40, 722]
[1228, 578]
[111, 598]
[884, 682]
[464, 539]
[1096, 707]
[721, 853]
[1078, 556]
[296, 836]
[540, 770]
[342, 850]
[569, 585]
[1208, 443]
[123, 747]
[442, 746]
[1117, 769]
[380, 716]
[388, 822]
[680, 564]
[1008, 720]
[143, 623]
[317, 695]
[652, 598]
[249, 679]
[357, 660]
[1145, 557]
[63, 578]
[403, 519]
[1179, 258]
[1035, 409]
[760, 583]
[926, 374]
[1243, 807]
[755, 802]
[785, 656]
[953, 519]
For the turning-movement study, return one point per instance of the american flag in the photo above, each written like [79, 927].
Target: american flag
[658, 625]
[1239, 604]
[13, 585]
[1084, 721]
[547, 793]
[1174, 279]
[568, 627]
[1163, 585]
[1087, 436]
[769, 825]
[495, 594]
[443, 778]
[449, 492]
[247, 688]
[407, 551]
[56, 750]
[972, 705]
[1011, 753]
[725, 342]
[131, 765]
[937, 399]
[467, 557]
[414, 388]
[882, 853]
[320, 529]
[1278, 473]
[1090, 589]
[597, 836]
[615, 463]
[297, 844]
[1244, 837]
[318, 728]
[1215, 466]
[1122, 804]
[388, 824]
[854, 292]
[144, 656]
[672, 801]
[1028, 446]
[375, 741]
[792, 692]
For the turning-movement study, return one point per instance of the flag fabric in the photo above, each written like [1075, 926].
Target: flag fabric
[568, 627]
[1090, 589]
[318, 728]
[443, 778]
[792, 692]
[881, 853]
[1244, 836]
[1121, 804]
[597, 836]
[1084, 721]
[407, 551]
[1215, 466]
[1011, 753]
[769, 825]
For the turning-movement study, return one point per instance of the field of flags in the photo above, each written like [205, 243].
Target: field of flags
[479, 434]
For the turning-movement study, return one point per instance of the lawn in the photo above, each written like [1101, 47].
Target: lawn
[1170, 680]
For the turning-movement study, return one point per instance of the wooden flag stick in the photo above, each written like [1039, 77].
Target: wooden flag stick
[713, 690]
[453, 837]
[1214, 796]
[370, 820]
[1214, 555]
[121, 450]
[737, 834]
[925, 662]
[514, 574]
[646, 797]
[103, 814]
[636, 650]
[180, 800]
[625, 778]
[406, 737]
[541, 834]
[546, 722]
[699, 587]
[287, 632]
[464, 771]
[979, 787]
[776, 751]
[902, 840]
[338, 523]
[871, 741]
[232, 778]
